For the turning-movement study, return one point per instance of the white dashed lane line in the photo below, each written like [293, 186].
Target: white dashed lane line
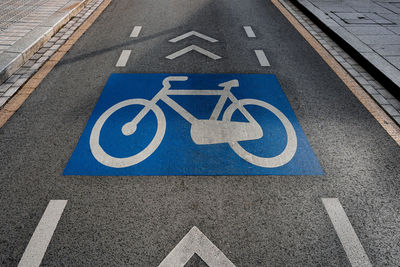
[249, 31]
[40, 239]
[262, 58]
[348, 237]
[123, 58]
[136, 31]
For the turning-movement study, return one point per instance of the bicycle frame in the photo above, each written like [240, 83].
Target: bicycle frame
[164, 93]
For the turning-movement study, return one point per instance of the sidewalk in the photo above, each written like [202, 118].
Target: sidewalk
[370, 27]
[25, 25]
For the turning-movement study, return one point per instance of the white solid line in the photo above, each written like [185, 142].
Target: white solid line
[123, 58]
[262, 58]
[40, 239]
[348, 237]
[195, 242]
[249, 31]
[135, 32]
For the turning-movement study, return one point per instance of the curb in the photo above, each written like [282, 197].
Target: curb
[386, 74]
[12, 104]
[15, 56]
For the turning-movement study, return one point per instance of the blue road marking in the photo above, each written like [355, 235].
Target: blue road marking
[193, 124]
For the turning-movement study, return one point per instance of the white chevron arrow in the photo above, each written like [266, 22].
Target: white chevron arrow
[196, 242]
[188, 34]
[195, 48]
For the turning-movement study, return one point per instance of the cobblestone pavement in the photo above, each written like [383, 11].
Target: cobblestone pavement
[386, 100]
[18, 17]
[372, 27]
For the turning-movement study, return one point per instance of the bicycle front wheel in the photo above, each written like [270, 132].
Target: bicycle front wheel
[267, 162]
[115, 162]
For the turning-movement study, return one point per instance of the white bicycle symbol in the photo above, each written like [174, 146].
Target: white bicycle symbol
[203, 132]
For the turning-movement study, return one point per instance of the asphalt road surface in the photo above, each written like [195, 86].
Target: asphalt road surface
[254, 220]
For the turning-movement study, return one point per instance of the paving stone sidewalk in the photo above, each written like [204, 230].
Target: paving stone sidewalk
[377, 92]
[26, 24]
[11, 86]
[371, 27]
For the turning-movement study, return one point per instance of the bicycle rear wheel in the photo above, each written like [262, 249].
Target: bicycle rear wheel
[267, 162]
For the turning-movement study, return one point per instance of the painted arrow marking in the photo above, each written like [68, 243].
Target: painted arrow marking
[188, 34]
[191, 48]
[196, 242]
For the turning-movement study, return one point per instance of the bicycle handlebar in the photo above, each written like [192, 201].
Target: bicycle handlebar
[166, 81]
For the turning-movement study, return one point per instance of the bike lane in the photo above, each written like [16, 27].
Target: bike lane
[253, 220]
